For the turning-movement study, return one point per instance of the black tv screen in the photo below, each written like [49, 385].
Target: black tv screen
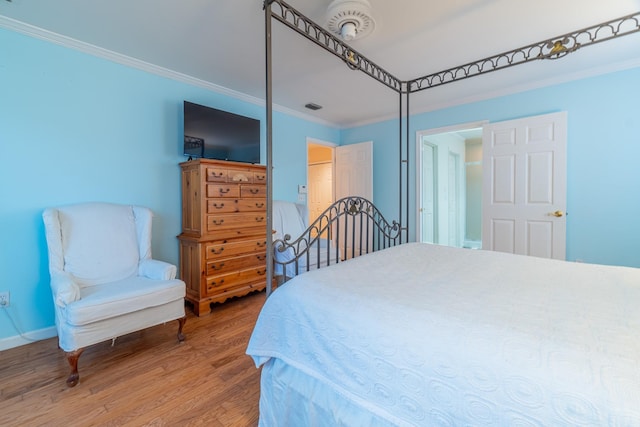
[217, 134]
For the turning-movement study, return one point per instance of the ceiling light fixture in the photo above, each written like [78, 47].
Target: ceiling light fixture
[350, 19]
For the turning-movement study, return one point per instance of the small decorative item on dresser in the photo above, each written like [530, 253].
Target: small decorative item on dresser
[223, 239]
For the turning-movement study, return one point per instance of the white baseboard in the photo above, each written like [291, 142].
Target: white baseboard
[28, 338]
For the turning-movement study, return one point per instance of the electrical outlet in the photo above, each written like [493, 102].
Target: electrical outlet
[4, 299]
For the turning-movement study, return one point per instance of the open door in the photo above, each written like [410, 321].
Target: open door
[524, 186]
[354, 177]
[354, 170]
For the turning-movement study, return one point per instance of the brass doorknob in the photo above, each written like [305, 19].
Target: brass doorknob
[558, 214]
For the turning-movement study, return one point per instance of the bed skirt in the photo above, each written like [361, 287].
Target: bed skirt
[289, 397]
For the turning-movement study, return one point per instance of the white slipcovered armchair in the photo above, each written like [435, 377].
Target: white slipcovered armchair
[292, 219]
[103, 279]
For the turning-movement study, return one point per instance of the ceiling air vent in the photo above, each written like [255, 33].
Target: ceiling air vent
[312, 106]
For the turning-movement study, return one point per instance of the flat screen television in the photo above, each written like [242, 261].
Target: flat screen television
[215, 134]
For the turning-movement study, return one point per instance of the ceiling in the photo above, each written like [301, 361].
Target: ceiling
[222, 42]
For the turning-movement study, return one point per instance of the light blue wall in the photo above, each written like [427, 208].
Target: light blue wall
[603, 154]
[290, 159]
[74, 128]
[385, 162]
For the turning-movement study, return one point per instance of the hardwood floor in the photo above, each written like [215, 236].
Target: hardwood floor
[146, 379]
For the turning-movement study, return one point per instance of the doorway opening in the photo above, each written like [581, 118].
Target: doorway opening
[449, 186]
[320, 177]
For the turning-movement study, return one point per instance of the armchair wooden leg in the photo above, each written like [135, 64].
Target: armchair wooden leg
[181, 323]
[72, 358]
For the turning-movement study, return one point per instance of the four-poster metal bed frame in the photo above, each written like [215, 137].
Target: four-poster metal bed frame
[554, 48]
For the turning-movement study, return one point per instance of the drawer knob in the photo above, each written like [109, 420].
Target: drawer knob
[224, 190]
[259, 205]
[218, 206]
[261, 244]
[261, 257]
[259, 218]
[216, 252]
[218, 222]
[254, 190]
[261, 272]
[217, 267]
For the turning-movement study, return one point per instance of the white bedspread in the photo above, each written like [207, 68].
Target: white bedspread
[430, 335]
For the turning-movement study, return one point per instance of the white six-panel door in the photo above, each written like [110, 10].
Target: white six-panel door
[524, 186]
[354, 170]
[354, 177]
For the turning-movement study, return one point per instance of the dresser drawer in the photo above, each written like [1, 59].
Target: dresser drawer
[238, 233]
[259, 178]
[235, 220]
[253, 191]
[223, 190]
[215, 174]
[240, 176]
[219, 284]
[236, 205]
[227, 265]
[225, 249]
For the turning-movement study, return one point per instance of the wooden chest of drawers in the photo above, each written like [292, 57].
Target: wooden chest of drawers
[223, 240]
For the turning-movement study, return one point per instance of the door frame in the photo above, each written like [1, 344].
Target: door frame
[418, 163]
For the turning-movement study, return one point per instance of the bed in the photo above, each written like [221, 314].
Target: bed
[413, 334]
[425, 335]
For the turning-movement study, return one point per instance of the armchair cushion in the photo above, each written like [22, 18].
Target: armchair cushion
[115, 299]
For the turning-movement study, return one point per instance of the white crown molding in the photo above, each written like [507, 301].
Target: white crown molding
[40, 33]
[71, 43]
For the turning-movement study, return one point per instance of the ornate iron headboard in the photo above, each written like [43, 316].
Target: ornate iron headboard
[350, 227]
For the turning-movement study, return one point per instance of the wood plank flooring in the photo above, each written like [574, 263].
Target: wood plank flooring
[146, 379]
